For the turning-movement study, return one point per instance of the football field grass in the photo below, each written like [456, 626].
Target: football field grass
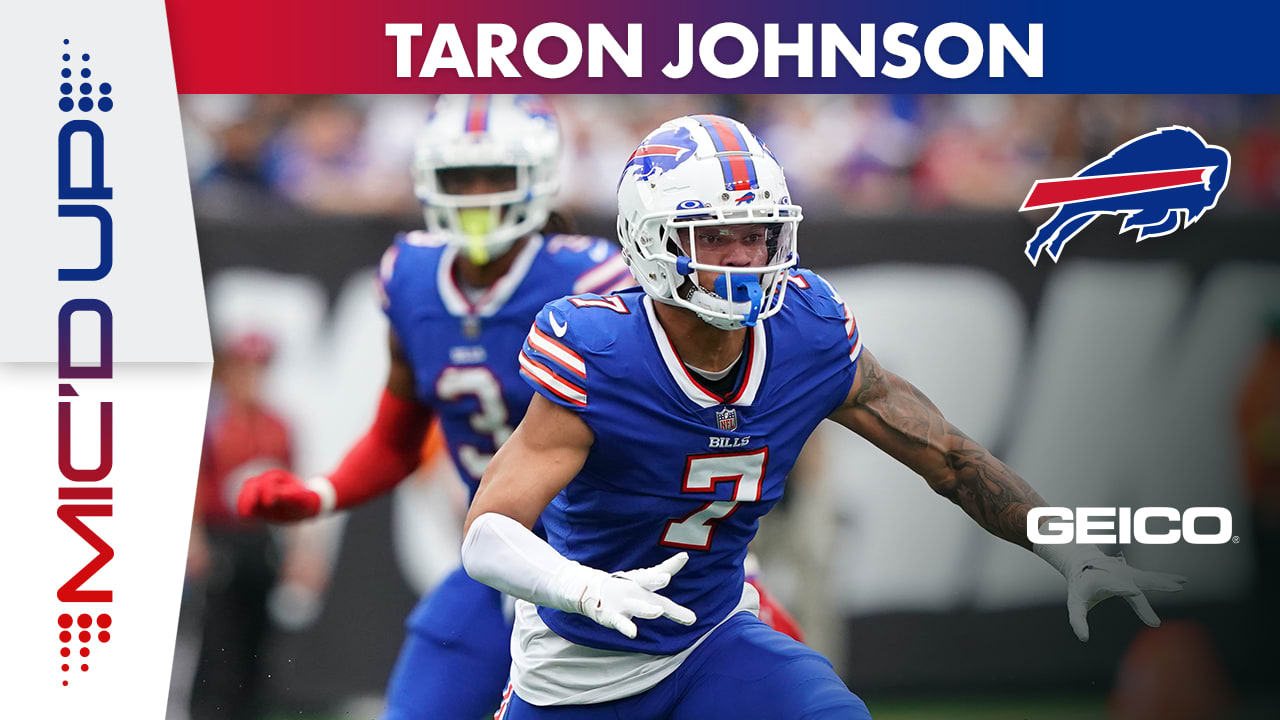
[993, 708]
[905, 708]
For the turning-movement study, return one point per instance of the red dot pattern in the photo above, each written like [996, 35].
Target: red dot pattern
[84, 620]
[64, 683]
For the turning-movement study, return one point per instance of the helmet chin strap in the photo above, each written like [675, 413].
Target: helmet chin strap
[747, 296]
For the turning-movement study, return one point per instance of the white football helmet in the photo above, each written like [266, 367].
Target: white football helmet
[464, 131]
[697, 171]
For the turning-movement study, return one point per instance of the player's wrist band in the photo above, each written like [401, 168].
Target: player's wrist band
[321, 486]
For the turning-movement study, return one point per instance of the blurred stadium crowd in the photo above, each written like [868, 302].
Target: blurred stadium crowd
[862, 154]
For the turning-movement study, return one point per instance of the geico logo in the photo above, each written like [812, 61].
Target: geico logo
[1059, 525]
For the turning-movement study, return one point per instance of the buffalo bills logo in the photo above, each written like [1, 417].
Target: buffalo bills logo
[1159, 181]
[746, 198]
[535, 106]
[661, 152]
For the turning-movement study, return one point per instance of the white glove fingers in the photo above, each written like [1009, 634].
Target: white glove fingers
[1143, 609]
[1093, 577]
[1076, 613]
[1164, 582]
[644, 609]
[679, 613]
[1114, 586]
[671, 565]
[650, 579]
[623, 598]
[621, 623]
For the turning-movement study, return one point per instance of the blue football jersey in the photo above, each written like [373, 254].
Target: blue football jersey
[673, 466]
[464, 350]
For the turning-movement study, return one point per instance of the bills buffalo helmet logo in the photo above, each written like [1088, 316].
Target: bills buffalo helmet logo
[536, 106]
[1160, 181]
[661, 152]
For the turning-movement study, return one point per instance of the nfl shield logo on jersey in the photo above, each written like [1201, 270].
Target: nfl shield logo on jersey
[727, 418]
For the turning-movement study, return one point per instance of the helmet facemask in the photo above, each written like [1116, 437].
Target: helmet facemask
[739, 296]
[514, 138]
[483, 225]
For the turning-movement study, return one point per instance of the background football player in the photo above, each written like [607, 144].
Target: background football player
[460, 298]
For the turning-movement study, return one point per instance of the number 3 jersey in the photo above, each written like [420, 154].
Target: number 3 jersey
[675, 467]
[463, 348]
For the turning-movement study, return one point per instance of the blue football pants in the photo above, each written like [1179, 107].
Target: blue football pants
[456, 654]
[744, 670]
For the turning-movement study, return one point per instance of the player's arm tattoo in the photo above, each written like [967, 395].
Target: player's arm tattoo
[899, 419]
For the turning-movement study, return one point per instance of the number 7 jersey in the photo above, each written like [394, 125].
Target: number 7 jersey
[675, 467]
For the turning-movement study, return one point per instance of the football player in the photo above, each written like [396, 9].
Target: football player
[460, 298]
[665, 422]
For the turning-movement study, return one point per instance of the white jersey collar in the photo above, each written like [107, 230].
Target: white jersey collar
[744, 394]
[456, 302]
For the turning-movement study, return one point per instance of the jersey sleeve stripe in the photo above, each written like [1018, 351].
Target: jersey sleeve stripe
[554, 384]
[548, 346]
[386, 267]
[857, 347]
[621, 279]
[624, 282]
[599, 275]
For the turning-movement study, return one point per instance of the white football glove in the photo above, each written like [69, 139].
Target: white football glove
[613, 600]
[1093, 577]
[506, 555]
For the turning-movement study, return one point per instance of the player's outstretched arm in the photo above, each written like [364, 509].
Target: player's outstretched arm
[899, 419]
[387, 454]
[543, 454]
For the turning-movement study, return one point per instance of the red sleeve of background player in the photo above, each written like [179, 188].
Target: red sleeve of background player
[387, 453]
[776, 616]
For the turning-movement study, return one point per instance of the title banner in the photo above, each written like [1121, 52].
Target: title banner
[405, 46]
